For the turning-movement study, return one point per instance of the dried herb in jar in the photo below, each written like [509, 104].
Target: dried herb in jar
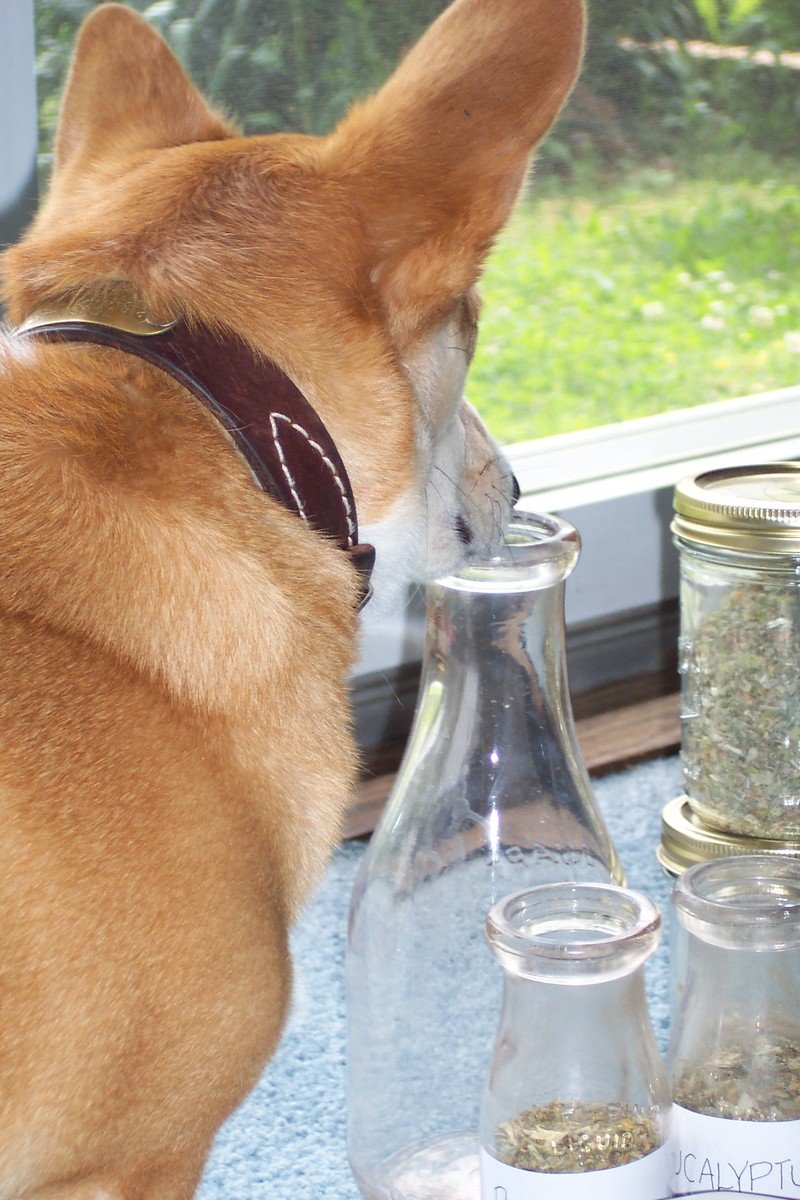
[741, 730]
[759, 1081]
[575, 1137]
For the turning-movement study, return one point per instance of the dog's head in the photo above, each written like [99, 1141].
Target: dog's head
[350, 260]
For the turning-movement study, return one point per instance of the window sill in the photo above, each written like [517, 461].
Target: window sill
[615, 485]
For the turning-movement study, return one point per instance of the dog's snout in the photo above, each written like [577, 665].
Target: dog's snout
[515, 489]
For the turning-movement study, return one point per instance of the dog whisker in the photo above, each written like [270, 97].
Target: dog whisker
[486, 542]
[391, 687]
[466, 495]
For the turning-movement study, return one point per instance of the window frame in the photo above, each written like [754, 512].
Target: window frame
[19, 131]
[615, 483]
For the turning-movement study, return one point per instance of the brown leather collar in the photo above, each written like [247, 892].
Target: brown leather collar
[286, 445]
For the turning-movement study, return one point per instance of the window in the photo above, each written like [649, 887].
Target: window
[642, 315]
[653, 266]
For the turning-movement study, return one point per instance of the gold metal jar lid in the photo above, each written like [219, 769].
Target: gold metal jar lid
[686, 841]
[751, 509]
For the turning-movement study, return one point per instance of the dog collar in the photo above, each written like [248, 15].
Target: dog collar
[283, 440]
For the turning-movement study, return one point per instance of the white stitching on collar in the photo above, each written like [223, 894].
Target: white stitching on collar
[274, 417]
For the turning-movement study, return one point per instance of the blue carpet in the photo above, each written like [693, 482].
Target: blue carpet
[287, 1141]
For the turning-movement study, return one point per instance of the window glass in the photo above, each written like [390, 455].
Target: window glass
[653, 265]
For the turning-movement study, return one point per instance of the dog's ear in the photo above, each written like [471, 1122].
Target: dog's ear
[126, 97]
[436, 159]
[126, 92]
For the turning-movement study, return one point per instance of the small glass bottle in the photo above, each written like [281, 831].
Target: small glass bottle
[735, 1050]
[738, 532]
[492, 795]
[577, 1102]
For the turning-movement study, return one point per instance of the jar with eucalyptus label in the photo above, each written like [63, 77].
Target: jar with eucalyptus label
[735, 1052]
[577, 1102]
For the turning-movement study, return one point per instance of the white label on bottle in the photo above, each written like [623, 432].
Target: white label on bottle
[747, 1158]
[646, 1179]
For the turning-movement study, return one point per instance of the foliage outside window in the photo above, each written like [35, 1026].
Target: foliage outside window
[653, 266]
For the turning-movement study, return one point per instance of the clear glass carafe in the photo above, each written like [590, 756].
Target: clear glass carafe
[577, 1102]
[735, 1049]
[492, 795]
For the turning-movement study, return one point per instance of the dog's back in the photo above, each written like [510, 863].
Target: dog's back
[137, 934]
[147, 871]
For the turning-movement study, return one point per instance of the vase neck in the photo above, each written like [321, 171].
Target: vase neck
[493, 757]
[512, 642]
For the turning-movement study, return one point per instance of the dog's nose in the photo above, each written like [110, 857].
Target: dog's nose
[515, 489]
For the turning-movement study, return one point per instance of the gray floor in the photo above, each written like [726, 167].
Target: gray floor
[287, 1141]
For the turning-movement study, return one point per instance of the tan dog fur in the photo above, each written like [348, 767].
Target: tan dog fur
[177, 751]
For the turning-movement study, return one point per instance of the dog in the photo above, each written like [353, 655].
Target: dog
[176, 640]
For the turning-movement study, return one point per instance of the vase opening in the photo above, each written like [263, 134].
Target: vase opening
[537, 551]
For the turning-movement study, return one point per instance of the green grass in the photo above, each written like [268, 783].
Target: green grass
[663, 291]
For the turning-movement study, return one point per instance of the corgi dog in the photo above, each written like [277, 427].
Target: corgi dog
[178, 615]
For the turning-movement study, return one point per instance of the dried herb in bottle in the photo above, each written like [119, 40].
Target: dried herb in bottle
[741, 730]
[560, 1137]
[756, 1079]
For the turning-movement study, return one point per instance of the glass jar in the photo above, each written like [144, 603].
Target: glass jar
[577, 1102]
[735, 1050]
[685, 841]
[738, 531]
[492, 795]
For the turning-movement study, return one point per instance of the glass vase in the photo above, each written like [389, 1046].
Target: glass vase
[735, 1046]
[492, 796]
[577, 1102]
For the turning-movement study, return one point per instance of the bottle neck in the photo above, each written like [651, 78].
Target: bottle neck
[508, 647]
[494, 734]
[727, 989]
[590, 1042]
[735, 1044]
